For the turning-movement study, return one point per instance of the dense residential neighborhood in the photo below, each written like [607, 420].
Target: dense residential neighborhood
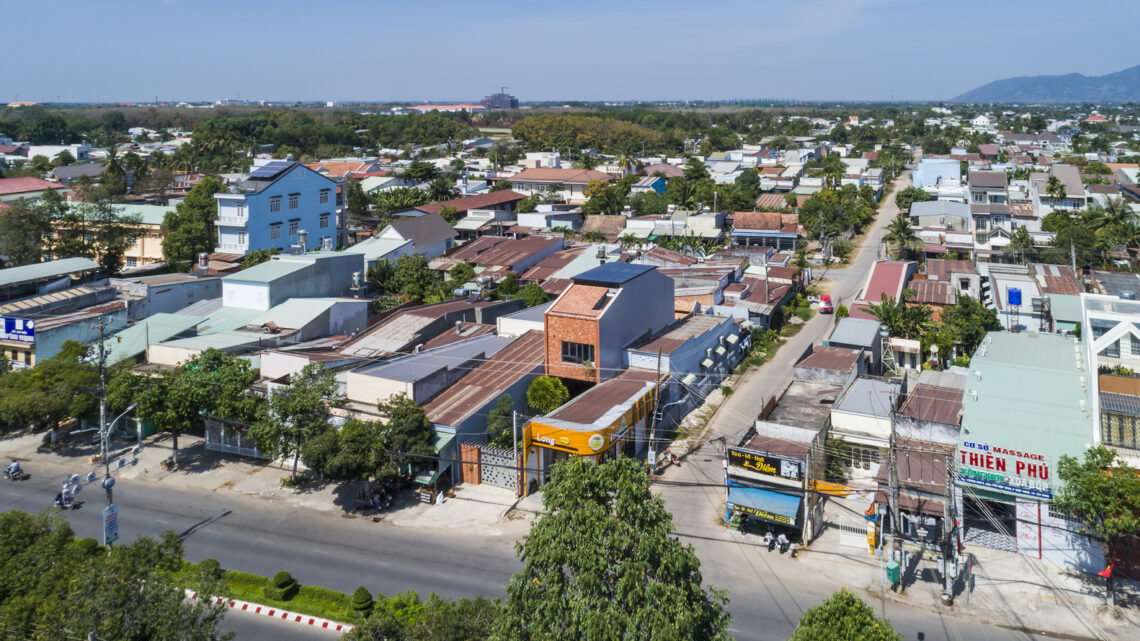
[538, 369]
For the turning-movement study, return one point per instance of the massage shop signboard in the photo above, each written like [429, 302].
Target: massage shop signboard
[1005, 469]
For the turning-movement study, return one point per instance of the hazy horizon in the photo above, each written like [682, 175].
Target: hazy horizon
[288, 51]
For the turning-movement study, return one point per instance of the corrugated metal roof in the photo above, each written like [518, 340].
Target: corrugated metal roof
[267, 272]
[42, 271]
[524, 356]
[157, 328]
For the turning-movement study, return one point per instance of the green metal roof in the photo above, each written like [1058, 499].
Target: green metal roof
[150, 214]
[50, 269]
[228, 318]
[133, 340]
[267, 272]
[1065, 308]
[1029, 398]
[294, 313]
[220, 340]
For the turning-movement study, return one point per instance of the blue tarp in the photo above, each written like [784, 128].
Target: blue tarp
[765, 504]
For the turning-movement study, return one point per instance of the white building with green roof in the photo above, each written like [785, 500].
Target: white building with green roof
[1025, 406]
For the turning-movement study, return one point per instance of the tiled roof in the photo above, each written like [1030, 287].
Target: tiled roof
[581, 300]
[760, 220]
[840, 359]
[609, 225]
[480, 201]
[670, 171]
[551, 174]
[777, 201]
[25, 184]
[425, 230]
[513, 252]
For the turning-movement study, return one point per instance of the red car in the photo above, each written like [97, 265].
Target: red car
[825, 306]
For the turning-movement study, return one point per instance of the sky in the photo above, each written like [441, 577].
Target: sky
[446, 50]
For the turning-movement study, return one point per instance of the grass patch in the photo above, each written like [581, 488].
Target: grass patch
[790, 330]
[311, 600]
[804, 313]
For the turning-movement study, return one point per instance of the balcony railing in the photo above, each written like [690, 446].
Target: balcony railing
[234, 248]
[233, 221]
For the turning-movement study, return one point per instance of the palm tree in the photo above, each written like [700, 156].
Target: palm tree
[901, 236]
[629, 240]
[1113, 215]
[1022, 244]
[594, 236]
[1055, 188]
[902, 320]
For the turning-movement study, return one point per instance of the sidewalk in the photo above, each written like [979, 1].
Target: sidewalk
[1006, 589]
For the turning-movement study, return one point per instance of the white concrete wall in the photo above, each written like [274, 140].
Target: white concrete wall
[246, 295]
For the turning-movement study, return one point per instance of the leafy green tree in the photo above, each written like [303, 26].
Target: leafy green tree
[594, 236]
[533, 295]
[258, 256]
[349, 454]
[500, 185]
[54, 390]
[413, 278]
[1022, 244]
[357, 202]
[500, 422]
[23, 231]
[381, 277]
[41, 163]
[441, 188]
[631, 578]
[60, 588]
[905, 197]
[449, 213]
[391, 201]
[509, 285]
[1103, 493]
[189, 229]
[296, 412]
[64, 158]
[843, 617]
[420, 171]
[695, 170]
[969, 320]
[405, 438]
[546, 394]
[213, 383]
[461, 273]
[1055, 188]
[841, 311]
[649, 203]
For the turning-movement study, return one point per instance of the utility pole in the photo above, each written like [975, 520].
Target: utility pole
[1073, 257]
[515, 446]
[949, 546]
[892, 469]
[652, 459]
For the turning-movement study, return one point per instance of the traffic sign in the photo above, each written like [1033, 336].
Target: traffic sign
[110, 524]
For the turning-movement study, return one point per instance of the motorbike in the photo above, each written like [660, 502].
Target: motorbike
[380, 501]
[784, 545]
[771, 542]
[20, 475]
[65, 503]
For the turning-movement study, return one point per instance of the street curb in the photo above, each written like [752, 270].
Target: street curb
[265, 610]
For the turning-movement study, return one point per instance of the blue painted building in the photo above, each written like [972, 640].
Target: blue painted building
[277, 201]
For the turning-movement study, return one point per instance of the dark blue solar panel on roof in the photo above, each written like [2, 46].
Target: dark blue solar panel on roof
[611, 274]
[271, 169]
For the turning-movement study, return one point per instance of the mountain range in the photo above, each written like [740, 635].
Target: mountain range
[1122, 86]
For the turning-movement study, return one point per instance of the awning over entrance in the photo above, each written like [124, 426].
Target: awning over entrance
[764, 504]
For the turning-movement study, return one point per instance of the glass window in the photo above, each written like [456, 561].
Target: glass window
[293, 200]
[577, 352]
[275, 204]
[241, 237]
[240, 210]
[294, 225]
[132, 261]
[324, 196]
[324, 221]
[275, 230]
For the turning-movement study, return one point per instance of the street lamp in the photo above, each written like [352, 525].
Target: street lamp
[653, 435]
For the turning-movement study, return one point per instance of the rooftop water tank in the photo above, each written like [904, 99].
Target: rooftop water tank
[1014, 294]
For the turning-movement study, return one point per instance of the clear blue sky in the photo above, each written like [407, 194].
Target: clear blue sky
[134, 50]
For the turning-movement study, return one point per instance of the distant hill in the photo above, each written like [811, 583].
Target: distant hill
[1122, 86]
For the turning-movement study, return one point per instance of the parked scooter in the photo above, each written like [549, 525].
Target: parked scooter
[769, 541]
[783, 543]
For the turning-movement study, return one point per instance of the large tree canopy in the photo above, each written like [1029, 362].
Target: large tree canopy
[602, 563]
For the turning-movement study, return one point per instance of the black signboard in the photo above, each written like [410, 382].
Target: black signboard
[764, 514]
[766, 464]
